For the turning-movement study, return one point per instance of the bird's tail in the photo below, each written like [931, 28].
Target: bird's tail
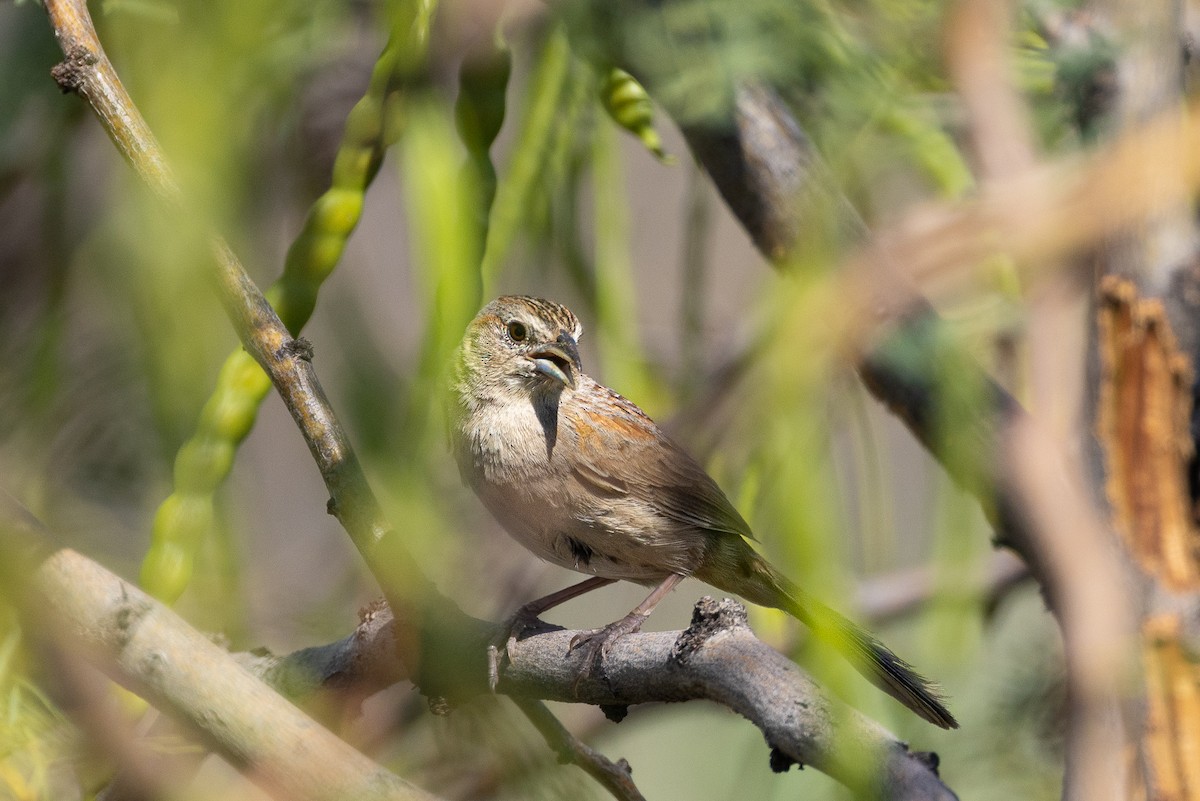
[768, 587]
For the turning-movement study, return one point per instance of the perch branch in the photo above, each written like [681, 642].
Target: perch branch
[718, 658]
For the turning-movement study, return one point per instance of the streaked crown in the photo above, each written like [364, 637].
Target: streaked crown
[545, 318]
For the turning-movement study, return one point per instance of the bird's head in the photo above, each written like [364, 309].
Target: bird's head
[522, 342]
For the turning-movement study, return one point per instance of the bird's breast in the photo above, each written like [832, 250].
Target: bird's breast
[527, 478]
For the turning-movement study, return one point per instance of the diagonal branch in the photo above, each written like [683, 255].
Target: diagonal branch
[151, 649]
[287, 361]
[771, 177]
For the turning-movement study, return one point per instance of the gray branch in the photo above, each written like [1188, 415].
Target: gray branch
[717, 658]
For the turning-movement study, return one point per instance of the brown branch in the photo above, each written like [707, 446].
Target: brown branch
[1142, 422]
[356, 666]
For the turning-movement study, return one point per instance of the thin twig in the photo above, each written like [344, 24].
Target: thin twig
[1097, 614]
[616, 777]
[893, 595]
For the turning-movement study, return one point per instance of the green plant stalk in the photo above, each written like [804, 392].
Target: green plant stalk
[205, 460]
[478, 115]
[446, 250]
[567, 161]
[616, 295]
[513, 192]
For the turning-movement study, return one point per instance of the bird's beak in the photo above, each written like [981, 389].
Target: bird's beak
[559, 360]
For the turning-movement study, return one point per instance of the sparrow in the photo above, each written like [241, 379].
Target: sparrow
[584, 479]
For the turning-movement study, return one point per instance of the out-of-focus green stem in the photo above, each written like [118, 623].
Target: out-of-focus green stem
[616, 295]
[510, 206]
[697, 227]
[204, 460]
[479, 114]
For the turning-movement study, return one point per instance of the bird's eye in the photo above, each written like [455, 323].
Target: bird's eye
[517, 331]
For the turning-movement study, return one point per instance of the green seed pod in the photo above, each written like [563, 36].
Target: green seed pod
[204, 461]
[628, 104]
[201, 464]
[179, 524]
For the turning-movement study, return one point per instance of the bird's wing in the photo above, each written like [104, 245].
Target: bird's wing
[620, 452]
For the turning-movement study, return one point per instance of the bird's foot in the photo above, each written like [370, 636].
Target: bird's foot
[597, 643]
[506, 634]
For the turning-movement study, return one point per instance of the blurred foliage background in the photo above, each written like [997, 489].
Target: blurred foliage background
[111, 342]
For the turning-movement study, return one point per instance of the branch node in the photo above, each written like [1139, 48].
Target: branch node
[368, 612]
[710, 617]
[615, 712]
[781, 762]
[70, 73]
[128, 615]
[299, 348]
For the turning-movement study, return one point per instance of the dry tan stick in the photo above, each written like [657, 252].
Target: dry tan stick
[156, 653]
[1096, 618]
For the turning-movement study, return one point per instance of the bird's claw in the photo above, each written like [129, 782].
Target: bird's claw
[507, 634]
[597, 643]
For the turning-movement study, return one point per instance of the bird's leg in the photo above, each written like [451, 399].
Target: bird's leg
[599, 642]
[527, 615]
